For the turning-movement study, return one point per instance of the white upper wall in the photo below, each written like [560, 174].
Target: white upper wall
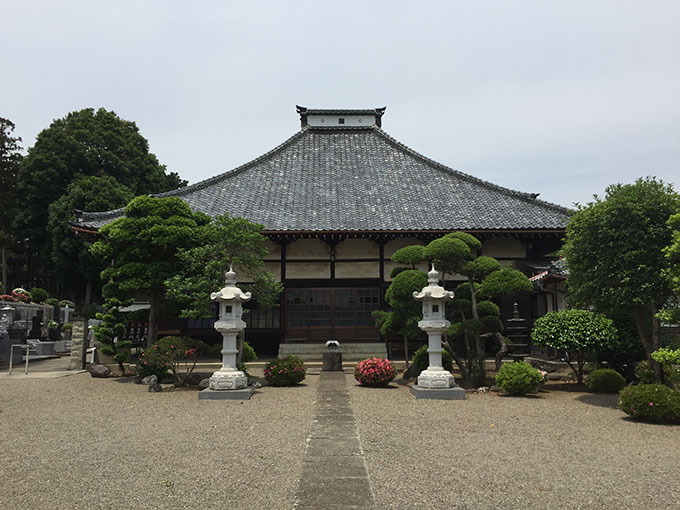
[340, 120]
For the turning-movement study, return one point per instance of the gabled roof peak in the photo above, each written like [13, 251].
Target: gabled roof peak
[340, 118]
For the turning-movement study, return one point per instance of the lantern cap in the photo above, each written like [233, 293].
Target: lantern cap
[230, 292]
[433, 291]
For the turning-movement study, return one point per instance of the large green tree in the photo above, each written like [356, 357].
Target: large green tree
[672, 272]
[614, 251]
[142, 248]
[224, 242]
[10, 159]
[76, 269]
[84, 143]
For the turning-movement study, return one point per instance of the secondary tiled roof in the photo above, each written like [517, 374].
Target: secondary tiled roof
[358, 179]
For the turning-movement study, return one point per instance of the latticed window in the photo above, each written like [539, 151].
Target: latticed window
[341, 307]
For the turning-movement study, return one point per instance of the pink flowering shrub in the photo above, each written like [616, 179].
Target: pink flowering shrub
[287, 371]
[651, 402]
[374, 372]
[175, 354]
[21, 295]
[7, 297]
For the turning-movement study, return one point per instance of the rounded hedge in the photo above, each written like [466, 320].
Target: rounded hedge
[605, 380]
[518, 378]
[374, 372]
[421, 359]
[287, 371]
[655, 403]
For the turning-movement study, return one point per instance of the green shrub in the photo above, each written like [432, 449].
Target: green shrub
[65, 302]
[249, 353]
[421, 359]
[605, 380]
[175, 354]
[52, 301]
[374, 372]
[39, 295]
[285, 371]
[651, 402]
[518, 378]
[646, 375]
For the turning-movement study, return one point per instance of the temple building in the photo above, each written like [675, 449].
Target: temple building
[337, 199]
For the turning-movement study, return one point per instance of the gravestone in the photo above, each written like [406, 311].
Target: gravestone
[36, 327]
[332, 357]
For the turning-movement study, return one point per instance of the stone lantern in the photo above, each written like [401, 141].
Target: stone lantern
[435, 382]
[229, 382]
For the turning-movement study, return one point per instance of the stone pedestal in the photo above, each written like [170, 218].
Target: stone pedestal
[240, 394]
[332, 361]
[76, 362]
[454, 393]
[228, 380]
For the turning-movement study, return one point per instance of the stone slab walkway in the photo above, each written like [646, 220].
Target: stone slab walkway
[334, 474]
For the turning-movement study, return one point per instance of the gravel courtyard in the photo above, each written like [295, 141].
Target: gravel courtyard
[78, 442]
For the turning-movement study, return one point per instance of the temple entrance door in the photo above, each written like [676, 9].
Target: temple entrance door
[319, 314]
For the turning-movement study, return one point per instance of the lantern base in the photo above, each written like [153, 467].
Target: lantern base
[228, 380]
[455, 393]
[436, 379]
[241, 394]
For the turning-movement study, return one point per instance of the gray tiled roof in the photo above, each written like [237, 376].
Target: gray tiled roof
[340, 179]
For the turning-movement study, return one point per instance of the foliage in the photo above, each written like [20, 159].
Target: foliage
[84, 143]
[111, 330]
[221, 243]
[672, 272]
[518, 378]
[667, 356]
[374, 372]
[287, 371]
[248, 354]
[10, 160]
[38, 295]
[142, 248]
[52, 301]
[405, 312]
[7, 297]
[655, 403]
[627, 352]
[176, 354]
[647, 376]
[576, 333]
[447, 253]
[410, 255]
[614, 249]
[605, 380]
[421, 359]
[65, 302]
[73, 263]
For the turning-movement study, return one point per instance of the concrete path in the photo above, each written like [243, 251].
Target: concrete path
[334, 474]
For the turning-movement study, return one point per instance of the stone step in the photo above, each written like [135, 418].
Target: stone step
[350, 351]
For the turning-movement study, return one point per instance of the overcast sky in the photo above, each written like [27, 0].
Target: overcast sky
[556, 98]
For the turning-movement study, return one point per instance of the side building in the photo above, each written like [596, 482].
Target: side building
[337, 199]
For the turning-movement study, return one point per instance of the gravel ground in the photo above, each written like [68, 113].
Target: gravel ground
[556, 450]
[77, 442]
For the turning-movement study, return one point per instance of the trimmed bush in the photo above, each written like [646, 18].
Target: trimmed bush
[605, 380]
[374, 372]
[285, 371]
[646, 375]
[518, 378]
[421, 359]
[65, 302]
[52, 301]
[39, 295]
[174, 354]
[655, 403]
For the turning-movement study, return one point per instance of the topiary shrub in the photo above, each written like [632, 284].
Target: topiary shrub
[374, 372]
[421, 359]
[249, 353]
[646, 375]
[65, 302]
[655, 403]
[38, 295]
[52, 301]
[287, 371]
[518, 378]
[605, 380]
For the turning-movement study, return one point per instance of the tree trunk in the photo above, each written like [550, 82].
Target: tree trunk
[406, 350]
[648, 330]
[4, 272]
[502, 352]
[154, 303]
[459, 361]
[88, 291]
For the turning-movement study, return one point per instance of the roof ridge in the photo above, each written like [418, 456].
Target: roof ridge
[234, 171]
[530, 197]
